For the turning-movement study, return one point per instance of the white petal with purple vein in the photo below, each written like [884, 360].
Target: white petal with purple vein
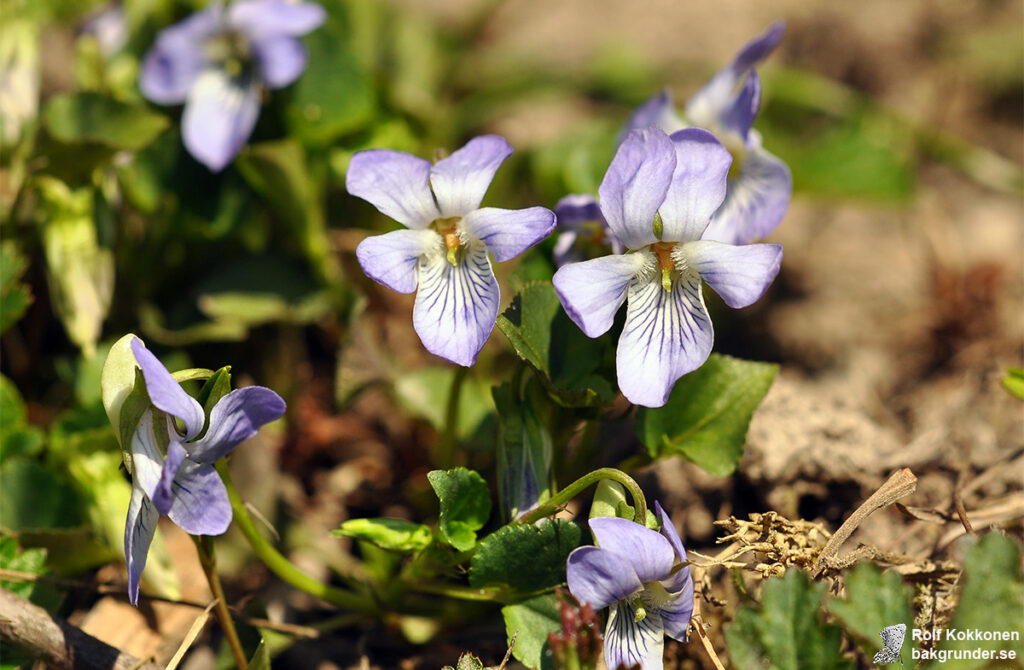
[592, 291]
[628, 642]
[396, 183]
[460, 180]
[740, 274]
[509, 232]
[391, 259]
[600, 577]
[648, 552]
[138, 535]
[199, 500]
[635, 185]
[698, 185]
[755, 201]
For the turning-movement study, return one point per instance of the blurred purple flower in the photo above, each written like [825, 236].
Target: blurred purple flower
[658, 197]
[583, 230]
[443, 255]
[173, 473]
[218, 61]
[110, 28]
[760, 185]
[635, 571]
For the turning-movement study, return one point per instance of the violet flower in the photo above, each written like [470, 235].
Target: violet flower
[218, 61]
[636, 572]
[172, 472]
[658, 196]
[760, 184]
[583, 230]
[443, 255]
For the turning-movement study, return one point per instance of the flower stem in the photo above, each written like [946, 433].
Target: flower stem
[207, 558]
[551, 505]
[281, 566]
[446, 445]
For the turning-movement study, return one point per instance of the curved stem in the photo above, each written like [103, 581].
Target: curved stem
[281, 566]
[208, 559]
[551, 505]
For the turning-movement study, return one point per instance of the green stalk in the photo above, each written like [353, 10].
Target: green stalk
[281, 566]
[207, 558]
[446, 445]
[572, 490]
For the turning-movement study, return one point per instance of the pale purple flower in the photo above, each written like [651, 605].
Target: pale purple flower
[636, 572]
[172, 472]
[658, 197]
[218, 61]
[760, 187]
[443, 255]
[583, 229]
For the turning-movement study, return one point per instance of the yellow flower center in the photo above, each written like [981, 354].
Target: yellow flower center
[447, 228]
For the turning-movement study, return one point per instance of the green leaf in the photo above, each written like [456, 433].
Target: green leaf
[873, 601]
[524, 450]
[465, 505]
[17, 437]
[15, 297]
[574, 367]
[786, 633]
[216, 387]
[990, 600]
[425, 393]
[261, 658]
[36, 498]
[525, 557]
[530, 622]
[1014, 382]
[392, 534]
[88, 117]
[32, 561]
[707, 415]
[334, 95]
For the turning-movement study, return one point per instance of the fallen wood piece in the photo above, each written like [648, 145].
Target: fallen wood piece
[57, 643]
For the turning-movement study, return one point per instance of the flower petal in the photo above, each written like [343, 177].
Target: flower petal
[592, 291]
[175, 457]
[199, 500]
[698, 185]
[456, 305]
[175, 61]
[396, 183]
[667, 334]
[740, 275]
[235, 418]
[219, 116]
[755, 201]
[147, 461]
[390, 259]
[669, 531]
[737, 117]
[167, 394]
[577, 208]
[635, 185]
[509, 232]
[260, 19]
[139, 529]
[460, 180]
[647, 551]
[628, 642]
[658, 111]
[678, 611]
[706, 107]
[281, 59]
[599, 577]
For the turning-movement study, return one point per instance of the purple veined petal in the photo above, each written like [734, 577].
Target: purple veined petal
[635, 185]
[390, 259]
[599, 577]
[147, 460]
[706, 107]
[577, 208]
[281, 60]
[592, 291]
[460, 180]
[755, 201]
[173, 64]
[396, 183]
[262, 19]
[509, 232]
[219, 116]
[698, 185]
[235, 418]
[658, 111]
[199, 500]
[739, 274]
[456, 305]
[668, 530]
[737, 117]
[678, 611]
[628, 642]
[667, 334]
[647, 551]
[167, 394]
[162, 495]
[139, 529]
